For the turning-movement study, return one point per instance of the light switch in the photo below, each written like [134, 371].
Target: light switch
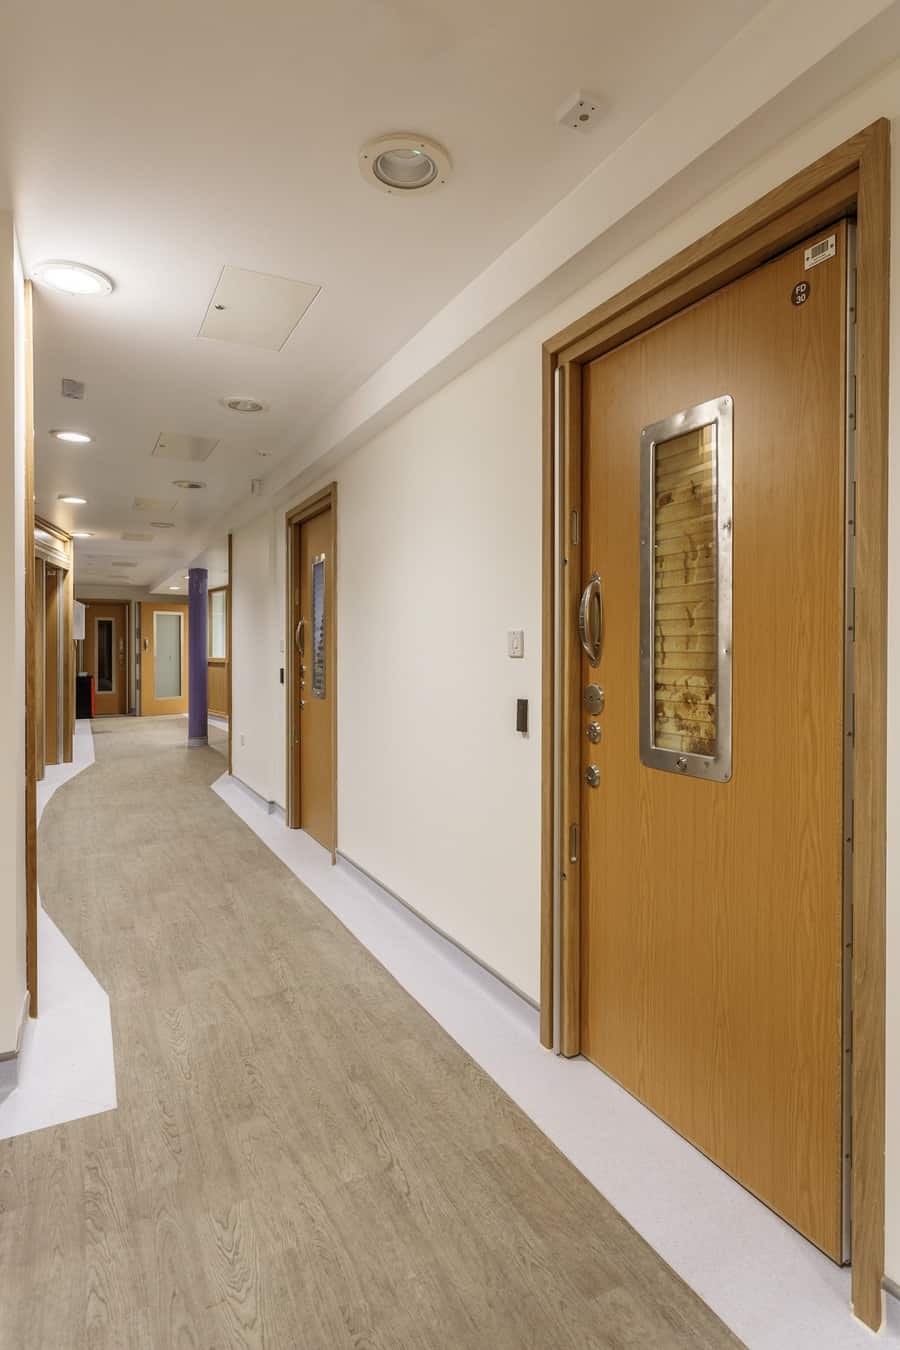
[515, 642]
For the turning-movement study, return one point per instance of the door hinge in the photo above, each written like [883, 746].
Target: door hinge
[852, 824]
[851, 617]
[852, 520]
[852, 732]
[573, 843]
[851, 411]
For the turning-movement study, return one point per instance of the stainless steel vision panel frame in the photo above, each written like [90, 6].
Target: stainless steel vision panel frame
[717, 412]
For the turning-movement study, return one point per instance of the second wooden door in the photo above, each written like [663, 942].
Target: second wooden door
[313, 682]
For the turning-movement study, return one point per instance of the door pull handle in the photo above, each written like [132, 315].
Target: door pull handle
[299, 638]
[590, 619]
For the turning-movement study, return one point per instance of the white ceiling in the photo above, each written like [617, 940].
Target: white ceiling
[165, 142]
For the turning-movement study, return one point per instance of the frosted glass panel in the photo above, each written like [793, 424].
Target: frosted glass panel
[167, 654]
[685, 599]
[686, 595]
[217, 615]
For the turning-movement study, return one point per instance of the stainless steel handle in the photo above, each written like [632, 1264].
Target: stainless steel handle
[299, 640]
[590, 620]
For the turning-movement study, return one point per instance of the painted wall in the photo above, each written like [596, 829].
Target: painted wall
[257, 626]
[439, 554]
[12, 646]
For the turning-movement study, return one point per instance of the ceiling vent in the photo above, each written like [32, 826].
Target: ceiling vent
[244, 405]
[152, 504]
[255, 309]
[133, 537]
[189, 449]
[72, 389]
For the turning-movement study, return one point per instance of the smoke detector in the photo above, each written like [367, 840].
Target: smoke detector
[581, 112]
[404, 162]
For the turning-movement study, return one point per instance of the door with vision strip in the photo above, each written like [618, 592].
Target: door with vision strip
[105, 656]
[312, 686]
[713, 761]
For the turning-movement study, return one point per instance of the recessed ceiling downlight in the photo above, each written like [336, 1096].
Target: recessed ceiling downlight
[190, 484]
[76, 437]
[72, 278]
[404, 162]
[244, 405]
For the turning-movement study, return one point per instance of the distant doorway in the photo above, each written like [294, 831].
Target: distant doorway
[164, 678]
[106, 656]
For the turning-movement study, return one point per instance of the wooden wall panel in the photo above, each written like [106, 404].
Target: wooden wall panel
[217, 701]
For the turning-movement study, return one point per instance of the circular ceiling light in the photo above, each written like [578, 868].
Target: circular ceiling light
[244, 405]
[72, 501]
[72, 278]
[404, 162]
[190, 484]
[76, 437]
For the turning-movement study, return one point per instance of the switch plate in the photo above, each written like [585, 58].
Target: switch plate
[515, 642]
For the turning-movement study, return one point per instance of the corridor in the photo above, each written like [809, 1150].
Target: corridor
[301, 1157]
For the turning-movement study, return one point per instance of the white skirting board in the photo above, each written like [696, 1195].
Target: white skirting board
[775, 1290]
[66, 1065]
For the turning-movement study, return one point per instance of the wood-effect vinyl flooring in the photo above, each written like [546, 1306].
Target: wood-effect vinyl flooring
[301, 1158]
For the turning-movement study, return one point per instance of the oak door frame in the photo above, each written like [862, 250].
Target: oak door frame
[130, 662]
[852, 179]
[220, 660]
[326, 500]
[229, 681]
[34, 688]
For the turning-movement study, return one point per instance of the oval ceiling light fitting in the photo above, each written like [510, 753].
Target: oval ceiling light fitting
[76, 437]
[72, 501]
[190, 484]
[72, 278]
[82, 534]
[404, 162]
[239, 404]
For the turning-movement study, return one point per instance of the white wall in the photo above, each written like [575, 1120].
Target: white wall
[439, 553]
[12, 640]
[258, 625]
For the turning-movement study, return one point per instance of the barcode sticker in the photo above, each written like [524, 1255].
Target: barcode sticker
[820, 252]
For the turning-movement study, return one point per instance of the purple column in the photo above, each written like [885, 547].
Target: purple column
[198, 652]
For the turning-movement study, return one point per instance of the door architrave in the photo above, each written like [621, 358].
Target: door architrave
[316, 505]
[852, 179]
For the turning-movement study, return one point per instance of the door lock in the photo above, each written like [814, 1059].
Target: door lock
[594, 732]
[594, 699]
[592, 775]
